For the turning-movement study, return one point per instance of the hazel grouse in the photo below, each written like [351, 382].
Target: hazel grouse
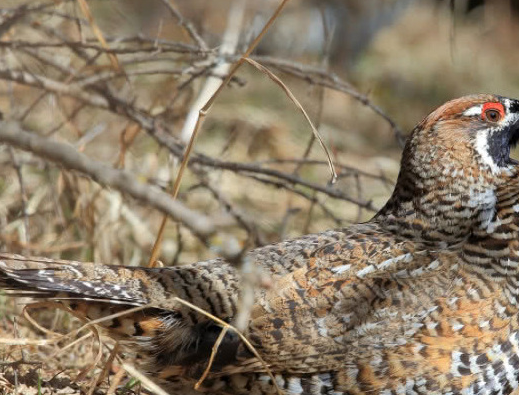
[422, 299]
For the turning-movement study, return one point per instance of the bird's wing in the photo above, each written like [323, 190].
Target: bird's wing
[310, 266]
[441, 313]
[312, 311]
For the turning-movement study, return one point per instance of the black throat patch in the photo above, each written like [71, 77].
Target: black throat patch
[499, 146]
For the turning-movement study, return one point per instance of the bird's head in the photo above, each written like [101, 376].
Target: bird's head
[474, 133]
[452, 164]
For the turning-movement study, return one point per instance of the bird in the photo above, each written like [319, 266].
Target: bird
[421, 299]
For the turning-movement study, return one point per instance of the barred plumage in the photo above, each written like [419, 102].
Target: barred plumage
[422, 299]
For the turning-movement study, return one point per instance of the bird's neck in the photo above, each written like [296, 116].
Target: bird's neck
[494, 258]
[440, 209]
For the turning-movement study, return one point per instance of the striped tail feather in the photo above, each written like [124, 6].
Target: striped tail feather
[171, 339]
[91, 290]
[43, 277]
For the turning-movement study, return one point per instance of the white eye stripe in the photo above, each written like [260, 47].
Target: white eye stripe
[510, 117]
[482, 148]
[471, 111]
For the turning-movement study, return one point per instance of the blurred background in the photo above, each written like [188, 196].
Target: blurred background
[108, 77]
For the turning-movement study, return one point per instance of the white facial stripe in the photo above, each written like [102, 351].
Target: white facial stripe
[482, 148]
[471, 111]
[510, 117]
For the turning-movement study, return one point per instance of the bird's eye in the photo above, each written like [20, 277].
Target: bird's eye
[493, 112]
[492, 115]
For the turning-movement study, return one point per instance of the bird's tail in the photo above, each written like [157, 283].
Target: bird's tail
[92, 291]
[51, 278]
[130, 303]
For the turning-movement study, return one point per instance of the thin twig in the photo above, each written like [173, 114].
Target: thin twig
[26, 238]
[300, 107]
[146, 382]
[115, 381]
[187, 25]
[199, 121]
[214, 351]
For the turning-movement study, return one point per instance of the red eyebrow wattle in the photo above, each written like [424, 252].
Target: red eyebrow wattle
[493, 106]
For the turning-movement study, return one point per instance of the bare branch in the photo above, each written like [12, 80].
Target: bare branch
[66, 156]
[248, 169]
